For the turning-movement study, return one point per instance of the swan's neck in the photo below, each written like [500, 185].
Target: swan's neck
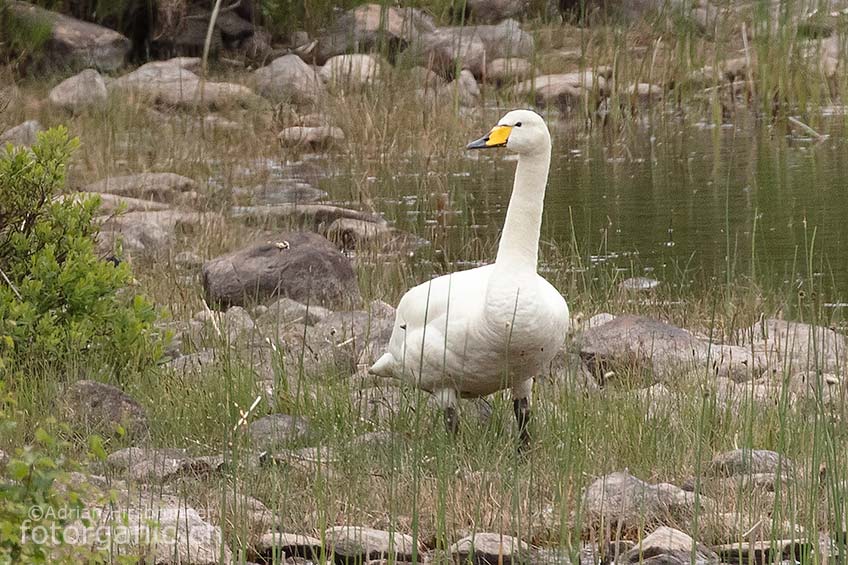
[519, 245]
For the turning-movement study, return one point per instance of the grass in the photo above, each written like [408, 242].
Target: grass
[420, 480]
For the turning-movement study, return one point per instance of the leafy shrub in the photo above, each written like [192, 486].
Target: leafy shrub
[57, 296]
[31, 482]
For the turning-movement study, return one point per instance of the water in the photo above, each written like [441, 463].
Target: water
[679, 202]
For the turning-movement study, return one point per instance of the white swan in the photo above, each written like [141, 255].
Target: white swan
[474, 332]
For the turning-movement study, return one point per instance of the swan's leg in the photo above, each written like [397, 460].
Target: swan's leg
[446, 398]
[521, 394]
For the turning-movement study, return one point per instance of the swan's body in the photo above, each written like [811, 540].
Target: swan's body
[475, 332]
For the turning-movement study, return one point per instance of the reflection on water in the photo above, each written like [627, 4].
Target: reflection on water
[709, 202]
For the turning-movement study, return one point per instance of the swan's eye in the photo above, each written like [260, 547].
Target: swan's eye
[518, 124]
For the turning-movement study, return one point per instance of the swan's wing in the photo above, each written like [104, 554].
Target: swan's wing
[427, 312]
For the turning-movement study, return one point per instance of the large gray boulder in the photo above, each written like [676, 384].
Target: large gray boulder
[639, 343]
[369, 27]
[303, 266]
[288, 78]
[81, 91]
[73, 43]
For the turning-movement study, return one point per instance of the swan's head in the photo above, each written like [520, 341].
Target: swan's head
[521, 131]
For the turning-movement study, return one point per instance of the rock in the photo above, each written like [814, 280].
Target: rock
[166, 187]
[797, 346]
[635, 342]
[193, 362]
[74, 43]
[163, 465]
[233, 324]
[778, 551]
[112, 203]
[274, 431]
[96, 407]
[490, 549]
[493, 11]
[233, 27]
[312, 137]
[171, 83]
[352, 71]
[125, 458]
[507, 69]
[183, 536]
[644, 95]
[359, 543]
[350, 234]
[277, 544]
[282, 191]
[655, 398]
[465, 88]
[425, 78]
[638, 284]
[82, 91]
[288, 78]
[442, 50]
[24, 134]
[229, 507]
[343, 339]
[749, 461]
[379, 405]
[151, 233]
[565, 91]
[370, 26]
[299, 265]
[470, 47]
[505, 39]
[667, 546]
[287, 312]
[620, 500]
[318, 217]
[188, 260]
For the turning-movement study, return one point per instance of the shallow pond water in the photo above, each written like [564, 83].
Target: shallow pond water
[678, 202]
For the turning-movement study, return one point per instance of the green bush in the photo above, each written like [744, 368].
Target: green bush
[58, 298]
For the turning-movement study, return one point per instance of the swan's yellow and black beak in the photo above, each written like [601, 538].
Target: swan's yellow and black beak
[495, 138]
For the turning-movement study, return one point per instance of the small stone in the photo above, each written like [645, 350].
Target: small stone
[286, 311]
[352, 71]
[97, 407]
[276, 430]
[356, 542]
[313, 137]
[490, 549]
[669, 546]
[165, 187]
[188, 260]
[508, 69]
[281, 544]
[749, 461]
[638, 284]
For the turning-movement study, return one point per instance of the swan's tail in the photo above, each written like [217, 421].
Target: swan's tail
[384, 367]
